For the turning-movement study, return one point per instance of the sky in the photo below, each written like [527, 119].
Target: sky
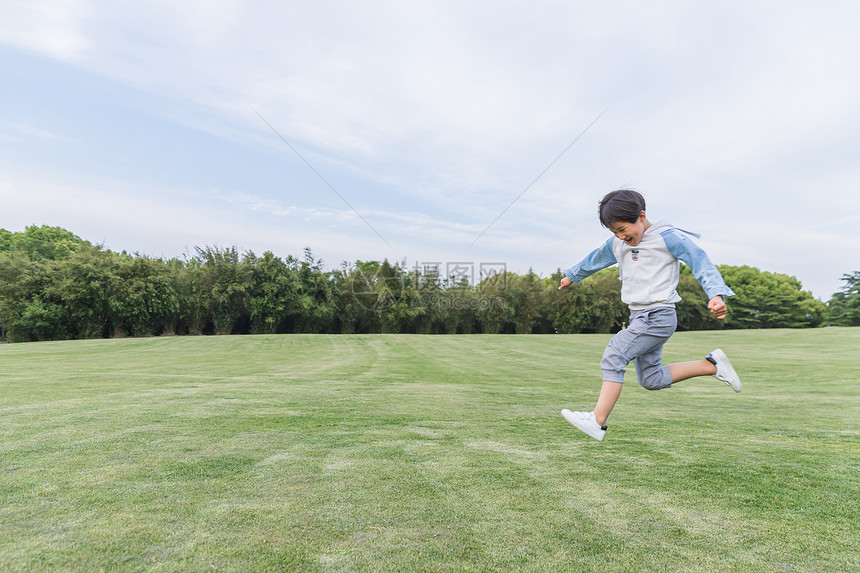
[446, 132]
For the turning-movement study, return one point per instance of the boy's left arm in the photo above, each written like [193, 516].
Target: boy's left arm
[703, 269]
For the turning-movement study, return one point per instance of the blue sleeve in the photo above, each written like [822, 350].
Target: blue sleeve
[694, 257]
[598, 259]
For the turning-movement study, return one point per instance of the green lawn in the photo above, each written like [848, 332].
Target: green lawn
[433, 453]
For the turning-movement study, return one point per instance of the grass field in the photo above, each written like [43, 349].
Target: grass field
[425, 453]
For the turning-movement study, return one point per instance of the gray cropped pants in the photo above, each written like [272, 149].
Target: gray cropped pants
[641, 343]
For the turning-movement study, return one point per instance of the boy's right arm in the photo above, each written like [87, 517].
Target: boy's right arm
[598, 259]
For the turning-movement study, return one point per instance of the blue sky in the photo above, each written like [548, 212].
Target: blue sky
[139, 127]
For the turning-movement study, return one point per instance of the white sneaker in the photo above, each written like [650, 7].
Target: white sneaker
[585, 422]
[725, 372]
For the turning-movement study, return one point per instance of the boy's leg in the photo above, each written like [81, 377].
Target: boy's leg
[646, 335]
[648, 358]
[650, 371]
[641, 338]
[609, 393]
[686, 370]
[715, 364]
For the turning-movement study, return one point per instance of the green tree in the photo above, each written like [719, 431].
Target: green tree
[227, 284]
[843, 309]
[32, 305]
[376, 296]
[143, 299]
[275, 294]
[692, 311]
[572, 308]
[318, 295]
[353, 314]
[190, 282]
[525, 296]
[461, 315]
[45, 242]
[432, 303]
[83, 289]
[175, 274]
[5, 241]
[25, 313]
[608, 310]
[769, 300]
[393, 300]
[495, 312]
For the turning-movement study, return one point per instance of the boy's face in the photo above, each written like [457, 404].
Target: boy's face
[630, 233]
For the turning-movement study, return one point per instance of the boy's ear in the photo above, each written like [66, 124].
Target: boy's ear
[642, 216]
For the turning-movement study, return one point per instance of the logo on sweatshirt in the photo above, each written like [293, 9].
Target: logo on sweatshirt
[635, 254]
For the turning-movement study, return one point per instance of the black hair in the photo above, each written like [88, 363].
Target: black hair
[623, 205]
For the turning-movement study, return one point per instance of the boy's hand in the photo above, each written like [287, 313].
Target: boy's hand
[717, 306]
[565, 282]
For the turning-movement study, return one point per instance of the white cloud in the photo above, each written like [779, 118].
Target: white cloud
[735, 119]
[49, 27]
[19, 132]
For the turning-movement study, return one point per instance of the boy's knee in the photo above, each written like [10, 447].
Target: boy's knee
[612, 372]
[613, 376]
[613, 361]
[656, 379]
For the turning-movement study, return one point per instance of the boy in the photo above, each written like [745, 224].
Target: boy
[647, 257]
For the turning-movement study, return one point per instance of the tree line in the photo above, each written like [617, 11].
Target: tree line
[55, 285]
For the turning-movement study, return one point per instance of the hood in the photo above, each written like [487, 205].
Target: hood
[658, 227]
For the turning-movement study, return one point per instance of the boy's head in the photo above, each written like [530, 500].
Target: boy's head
[623, 213]
[622, 206]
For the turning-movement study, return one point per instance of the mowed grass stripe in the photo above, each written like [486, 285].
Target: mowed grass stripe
[432, 453]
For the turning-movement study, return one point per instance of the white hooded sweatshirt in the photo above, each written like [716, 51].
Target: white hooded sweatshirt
[650, 271]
